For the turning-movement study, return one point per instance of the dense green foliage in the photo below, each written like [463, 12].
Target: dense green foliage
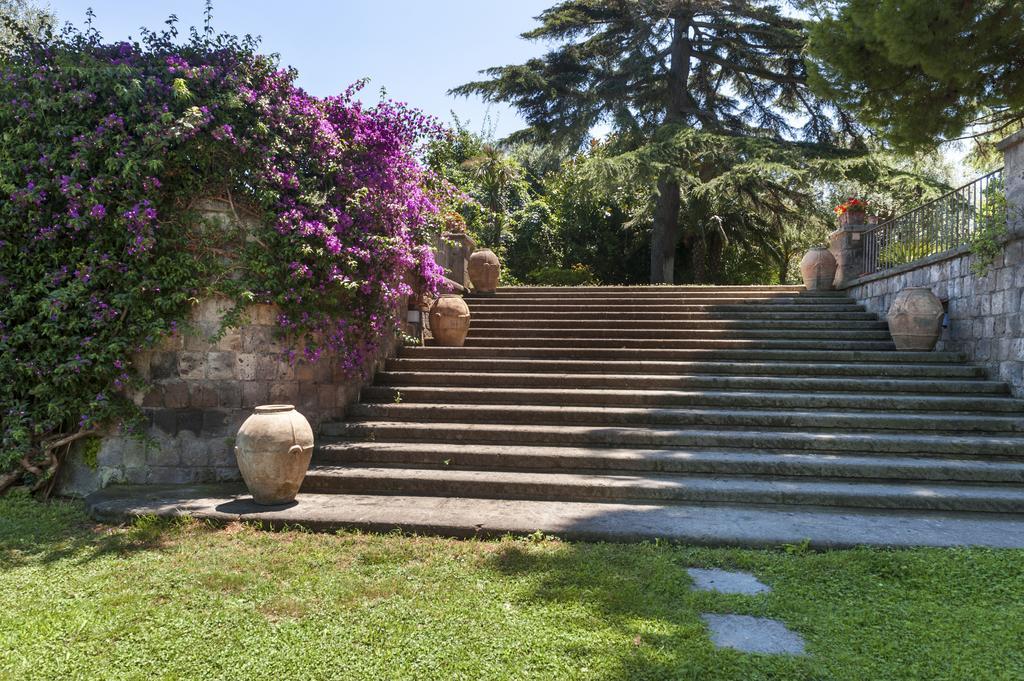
[243, 604]
[667, 76]
[592, 210]
[106, 147]
[921, 71]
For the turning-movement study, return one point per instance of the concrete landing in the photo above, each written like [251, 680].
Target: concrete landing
[716, 525]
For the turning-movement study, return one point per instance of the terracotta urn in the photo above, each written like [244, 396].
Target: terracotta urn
[273, 448]
[449, 320]
[915, 319]
[818, 269]
[484, 269]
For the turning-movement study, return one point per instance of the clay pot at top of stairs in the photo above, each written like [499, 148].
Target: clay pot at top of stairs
[484, 269]
[818, 269]
[915, 319]
[449, 320]
[273, 448]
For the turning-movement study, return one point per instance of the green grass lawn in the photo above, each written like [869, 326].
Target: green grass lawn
[184, 600]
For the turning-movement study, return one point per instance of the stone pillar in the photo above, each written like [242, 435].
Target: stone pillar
[1013, 176]
[460, 261]
[847, 246]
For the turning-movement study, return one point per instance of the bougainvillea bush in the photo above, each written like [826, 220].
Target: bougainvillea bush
[104, 150]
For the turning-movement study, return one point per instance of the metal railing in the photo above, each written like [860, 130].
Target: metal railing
[939, 226]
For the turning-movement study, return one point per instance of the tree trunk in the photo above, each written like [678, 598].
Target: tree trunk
[699, 258]
[783, 270]
[665, 235]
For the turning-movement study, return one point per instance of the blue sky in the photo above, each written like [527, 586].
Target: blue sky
[416, 49]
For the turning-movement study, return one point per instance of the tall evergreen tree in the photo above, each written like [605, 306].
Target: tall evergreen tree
[652, 68]
[921, 71]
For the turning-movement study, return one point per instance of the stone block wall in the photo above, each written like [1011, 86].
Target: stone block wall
[202, 389]
[204, 386]
[985, 314]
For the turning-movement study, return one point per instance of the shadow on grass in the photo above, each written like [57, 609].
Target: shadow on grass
[47, 532]
[637, 611]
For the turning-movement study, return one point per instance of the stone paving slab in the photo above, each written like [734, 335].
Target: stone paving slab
[753, 634]
[712, 525]
[727, 582]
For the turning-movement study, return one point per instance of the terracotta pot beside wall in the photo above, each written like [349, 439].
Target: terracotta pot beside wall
[484, 270]
[274, 447]
[915, 319]
[449, 320]
[818, 269]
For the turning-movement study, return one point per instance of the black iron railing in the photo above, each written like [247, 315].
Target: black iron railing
[937, 227]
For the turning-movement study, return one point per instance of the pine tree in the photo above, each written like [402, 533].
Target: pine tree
[732, 69]
[921, 71]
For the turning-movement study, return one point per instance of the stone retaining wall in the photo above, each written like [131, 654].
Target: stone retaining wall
[203, 388]
[985, 313]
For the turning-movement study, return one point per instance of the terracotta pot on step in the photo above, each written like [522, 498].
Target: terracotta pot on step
[915, 319]
[484, 269]
[818, 269]
[273, 448]
[449, 320]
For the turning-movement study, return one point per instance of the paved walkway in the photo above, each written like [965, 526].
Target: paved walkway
[753, 526]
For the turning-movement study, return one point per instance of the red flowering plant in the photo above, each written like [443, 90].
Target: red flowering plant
[105, 148]
[851, 205]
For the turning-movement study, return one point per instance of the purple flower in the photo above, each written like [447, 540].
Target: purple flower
[99, 211]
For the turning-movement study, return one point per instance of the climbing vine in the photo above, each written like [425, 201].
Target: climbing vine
[105, 148]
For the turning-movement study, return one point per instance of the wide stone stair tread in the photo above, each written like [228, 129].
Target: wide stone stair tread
[562, 321]
[553, 351]
[662, 335]
[706, 524]
[710, 366]
[615, 303]
[697, 343]
[734, 418]
[917, 495]
[679, 311]
[669, 460]
[636, 382]
[977, 445]
[438, 392]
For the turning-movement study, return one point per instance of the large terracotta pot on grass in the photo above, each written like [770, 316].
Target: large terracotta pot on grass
[915, 319]
[484, 269]
[273, 448]
[449, 320]
[818, 269]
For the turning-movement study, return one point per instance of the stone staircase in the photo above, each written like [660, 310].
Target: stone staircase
[695, 403]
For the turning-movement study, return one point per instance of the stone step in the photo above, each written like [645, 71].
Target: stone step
[706, 524]
[698, 341]
[646, 299]
[707, 354]
[878, 386]
[805, 325]
[677, 313]
[660, 321]
[648, 289]
[673, 461]
[641, 293]
[821, 441]
[682, 305]
[515, 414]
[405, 362]
[555, 396]
[835, 333]
[935, 496]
